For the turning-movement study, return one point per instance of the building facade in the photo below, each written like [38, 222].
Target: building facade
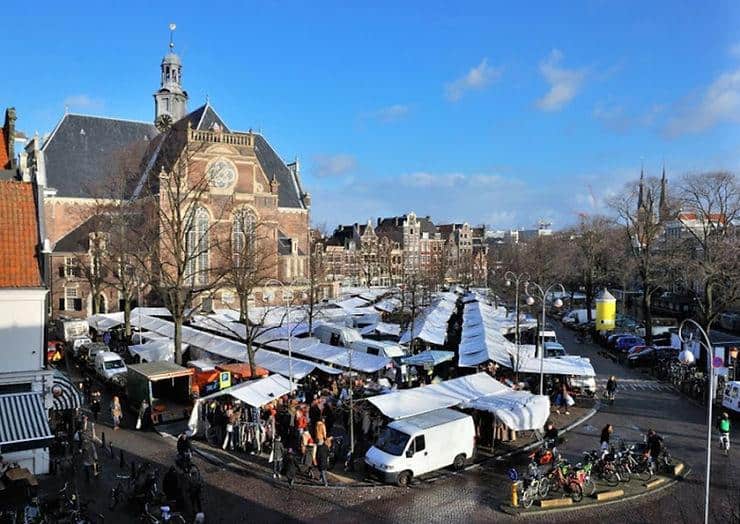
[73, 167]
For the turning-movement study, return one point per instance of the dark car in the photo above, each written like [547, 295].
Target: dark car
[625, 343]
[650, 355]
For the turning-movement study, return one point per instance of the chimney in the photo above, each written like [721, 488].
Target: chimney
[10, 135]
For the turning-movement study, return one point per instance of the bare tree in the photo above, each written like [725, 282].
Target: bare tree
[180, 230]
[710, 247]
[643, 210]
[248, 258]
[316, 276]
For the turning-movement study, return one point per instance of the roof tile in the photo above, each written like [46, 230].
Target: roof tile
[19, 238]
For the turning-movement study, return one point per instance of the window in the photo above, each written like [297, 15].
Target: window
[71, 267]
[72, 302]
[242, 232]
[197, 246]
[419, 444]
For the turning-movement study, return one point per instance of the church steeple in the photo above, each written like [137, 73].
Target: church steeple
[663, 205]
[170, 101]
[641, 188]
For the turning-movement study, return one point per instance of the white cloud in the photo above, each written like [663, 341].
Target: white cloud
[83, 102]
[391, 113]
[334, 165]
[719, 103]
[735, 50]
[428, 180]
[564, 83]
[476, 79]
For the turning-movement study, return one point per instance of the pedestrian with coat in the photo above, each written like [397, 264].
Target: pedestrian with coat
[291, 467]
[171, 485]
[278, 451]
[95, 405]
[611, 388]
[322, 461]
[606, 434]
[89, 457]
[143, 408]
[116, 412]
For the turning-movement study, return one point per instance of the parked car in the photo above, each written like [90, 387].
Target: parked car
[421, 444]
[108, 364]
[87, 353]
[555, 349]
[660, 325]
[649, 355]
[624, 343]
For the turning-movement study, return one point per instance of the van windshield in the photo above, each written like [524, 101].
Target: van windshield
[114, 364]
[392, 441]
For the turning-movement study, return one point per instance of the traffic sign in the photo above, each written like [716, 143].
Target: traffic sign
[717, 362]
[513, 475]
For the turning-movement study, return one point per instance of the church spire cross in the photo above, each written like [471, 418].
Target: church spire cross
[172, 36]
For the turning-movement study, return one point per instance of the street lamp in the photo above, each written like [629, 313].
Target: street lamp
[511, 277]
[710, 356]
[542, 295]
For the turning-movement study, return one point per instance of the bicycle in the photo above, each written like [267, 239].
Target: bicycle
[534, 487]
[561, 476]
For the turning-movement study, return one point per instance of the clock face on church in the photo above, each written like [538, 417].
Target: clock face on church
[221, 174]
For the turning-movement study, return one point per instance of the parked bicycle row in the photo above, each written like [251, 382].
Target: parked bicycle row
[549, 472]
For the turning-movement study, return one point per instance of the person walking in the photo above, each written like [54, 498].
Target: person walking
[278, 451]
[291, 468]
[564, 400]
[89, 457]
[606, 434]
[230, 420]
[116, 412]
[611, 389]
[171, 486]
[322, 460]
[95, 405]
[723, 425]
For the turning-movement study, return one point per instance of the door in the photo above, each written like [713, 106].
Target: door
[417, 455]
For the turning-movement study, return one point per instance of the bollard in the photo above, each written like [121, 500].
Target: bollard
[515, 493]
[121, 462]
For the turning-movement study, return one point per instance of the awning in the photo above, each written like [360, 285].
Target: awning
[429, 358]
[105, 322]
[568, 365]
[431, 325]
[65, 393]
[23, 419]
[343, 358]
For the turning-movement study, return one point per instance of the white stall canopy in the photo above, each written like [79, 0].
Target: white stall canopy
[255, 393]
[105, 322]
[519, 410]
[431, 325]
[336, 356]
[154, 351]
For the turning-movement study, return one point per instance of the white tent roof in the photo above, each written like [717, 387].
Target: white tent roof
[336, 356]
[383, 328]
[257, 392]
[569, 365]
[431, 325]
[519, 410]
[155, 351]
[409, 402]
[388, 305]
[105, 322]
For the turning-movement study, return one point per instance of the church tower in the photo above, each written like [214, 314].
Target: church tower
[170, 101]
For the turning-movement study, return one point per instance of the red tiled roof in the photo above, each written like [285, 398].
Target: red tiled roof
[19, 265]
[3, 151]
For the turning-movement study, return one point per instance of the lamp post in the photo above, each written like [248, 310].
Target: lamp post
[710, 356]
[510, 277]
[542, 294]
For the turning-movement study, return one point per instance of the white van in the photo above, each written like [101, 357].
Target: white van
[577, 316]
[378, 347]
[420, 444]
[108, 364]
[731, 397]
[336, 335]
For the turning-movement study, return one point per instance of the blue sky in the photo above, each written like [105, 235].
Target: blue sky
[478, 112]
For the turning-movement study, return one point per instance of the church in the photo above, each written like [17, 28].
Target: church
[245, 175]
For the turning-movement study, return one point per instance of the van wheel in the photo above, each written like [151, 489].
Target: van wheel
[459, 462]
[404, 479]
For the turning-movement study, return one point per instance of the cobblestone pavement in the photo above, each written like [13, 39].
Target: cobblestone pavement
[471, 496]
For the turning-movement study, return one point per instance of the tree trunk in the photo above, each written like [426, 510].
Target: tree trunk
[647, 315]
[127, 317]
[178, 339]
[250, 357]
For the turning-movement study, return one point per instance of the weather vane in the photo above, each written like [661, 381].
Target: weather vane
[172, 32]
